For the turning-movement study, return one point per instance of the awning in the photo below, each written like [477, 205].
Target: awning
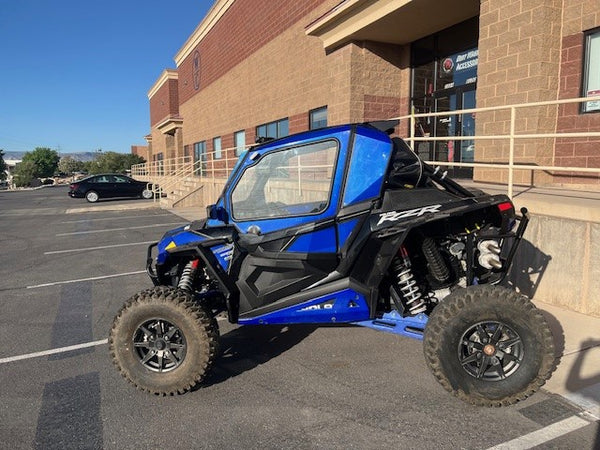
[389, 21]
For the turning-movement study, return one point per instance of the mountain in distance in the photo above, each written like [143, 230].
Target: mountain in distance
[79, 156]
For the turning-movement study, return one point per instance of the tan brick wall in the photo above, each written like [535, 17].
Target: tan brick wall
[141, 150]
[171, 146]
[292, 74]
[246, 26]
[519, 62]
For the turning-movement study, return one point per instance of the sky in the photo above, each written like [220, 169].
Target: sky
[75, 74]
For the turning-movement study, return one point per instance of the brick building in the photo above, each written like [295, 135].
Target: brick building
[276, 67]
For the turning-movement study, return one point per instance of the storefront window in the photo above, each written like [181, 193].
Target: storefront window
[591, 76]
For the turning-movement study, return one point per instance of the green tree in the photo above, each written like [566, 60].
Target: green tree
[45, 161]
[114, 162]
[25, 172]
[3, 174]
[68, 165]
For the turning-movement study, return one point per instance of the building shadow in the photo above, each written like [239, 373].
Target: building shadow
[528, 268]
[247, 347]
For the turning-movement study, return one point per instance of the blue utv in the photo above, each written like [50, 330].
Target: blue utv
[343, 225]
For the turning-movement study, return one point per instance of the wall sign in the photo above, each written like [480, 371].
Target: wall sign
[459, 69]
[196, 70]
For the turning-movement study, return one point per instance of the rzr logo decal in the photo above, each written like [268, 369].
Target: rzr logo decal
[394, 216]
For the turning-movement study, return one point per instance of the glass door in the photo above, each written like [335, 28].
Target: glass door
[455, 125]
[465, 148]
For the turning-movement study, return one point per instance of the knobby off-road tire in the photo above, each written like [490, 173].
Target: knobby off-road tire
[489, 346]
[163, 342]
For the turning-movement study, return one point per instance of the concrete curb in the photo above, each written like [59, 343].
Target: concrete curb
[117, 207]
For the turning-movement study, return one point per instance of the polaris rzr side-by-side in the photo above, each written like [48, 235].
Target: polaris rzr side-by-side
[343, 225]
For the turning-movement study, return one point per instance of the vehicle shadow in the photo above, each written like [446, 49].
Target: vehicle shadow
[528, 268]
[247, 347]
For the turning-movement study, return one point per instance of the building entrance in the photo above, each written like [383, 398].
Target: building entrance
[444, 78]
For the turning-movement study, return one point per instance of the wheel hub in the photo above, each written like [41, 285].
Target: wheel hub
[490, 351]
[159, 345]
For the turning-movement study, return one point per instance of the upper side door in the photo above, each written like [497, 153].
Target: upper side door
[103, 185]
[125, 186]
[284, 203]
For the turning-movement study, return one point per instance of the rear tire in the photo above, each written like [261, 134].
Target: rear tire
[489, 346]
[92, 196]
[163, 342]
[147, 194]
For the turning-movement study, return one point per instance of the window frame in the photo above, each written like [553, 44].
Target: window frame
[239, 149]
[585, 73]
[314, 111]
[196, 147]
[278, 125]
[335, 144]
[217, 152]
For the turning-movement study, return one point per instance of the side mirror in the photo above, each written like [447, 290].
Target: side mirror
[217, 213]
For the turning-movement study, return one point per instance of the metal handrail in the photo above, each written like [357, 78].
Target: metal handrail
[511, 136]
[200, 168]
[197, 168]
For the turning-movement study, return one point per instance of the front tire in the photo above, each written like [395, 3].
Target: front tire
[489, 346]
[92, 196]
[163, 342]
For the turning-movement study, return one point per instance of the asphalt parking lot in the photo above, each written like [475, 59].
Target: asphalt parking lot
[65, 272]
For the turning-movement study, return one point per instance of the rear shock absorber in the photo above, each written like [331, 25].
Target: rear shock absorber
[435, 262]
[405, 280]
[186, 282]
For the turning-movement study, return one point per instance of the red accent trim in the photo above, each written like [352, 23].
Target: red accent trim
[505, 206]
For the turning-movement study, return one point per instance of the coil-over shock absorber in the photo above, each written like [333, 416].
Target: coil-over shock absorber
[186, 281]
[411, 295]
[435, 262]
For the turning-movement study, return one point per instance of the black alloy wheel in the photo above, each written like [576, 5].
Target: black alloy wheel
[490, 351]
[160, 345]
[489, 346]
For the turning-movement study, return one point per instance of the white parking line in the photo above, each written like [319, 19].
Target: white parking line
[119, 229]
[116, 217]
[86, 279]
[543, 435]
[53, 351]
[70, 348]
[56, 252]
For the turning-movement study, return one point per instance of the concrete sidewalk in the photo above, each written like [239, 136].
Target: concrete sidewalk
[577, 342]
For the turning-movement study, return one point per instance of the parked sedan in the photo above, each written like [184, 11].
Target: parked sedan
[109, 185]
